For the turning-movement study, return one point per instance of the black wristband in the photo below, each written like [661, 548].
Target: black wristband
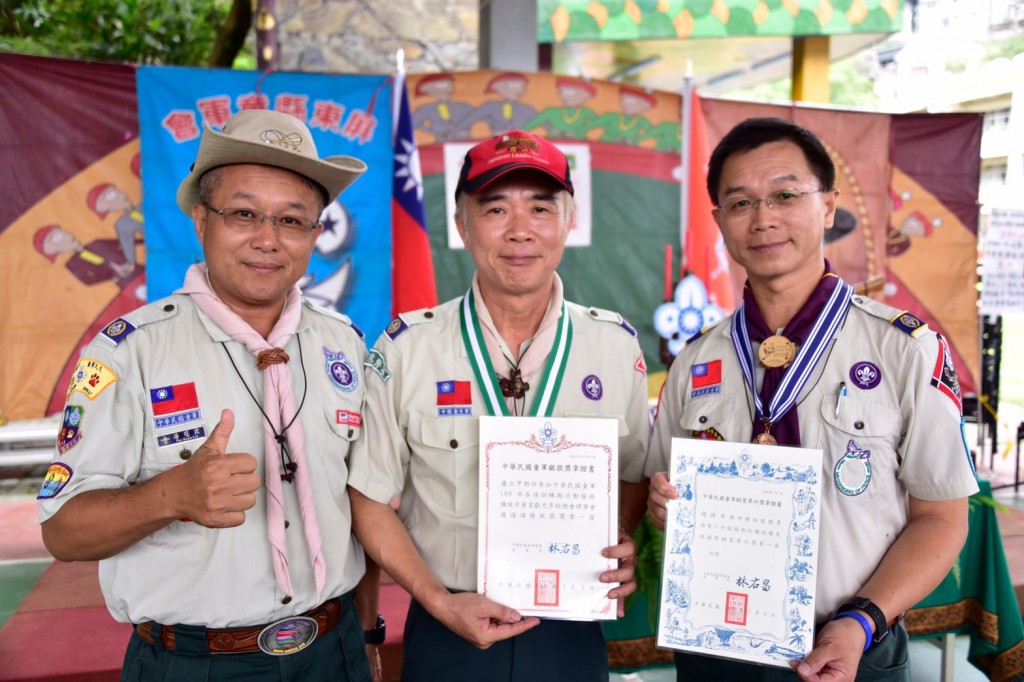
[377, 634]
[874, 613]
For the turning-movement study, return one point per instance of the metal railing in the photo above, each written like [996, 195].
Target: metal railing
[28, 443]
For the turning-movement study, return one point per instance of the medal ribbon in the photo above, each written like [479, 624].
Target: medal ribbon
[487, 379]
[796, 377]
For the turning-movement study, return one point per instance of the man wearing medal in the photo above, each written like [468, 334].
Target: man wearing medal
[512, 345]
[819, 367]
[204, 458]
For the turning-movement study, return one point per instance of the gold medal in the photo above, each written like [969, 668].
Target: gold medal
[776, 351]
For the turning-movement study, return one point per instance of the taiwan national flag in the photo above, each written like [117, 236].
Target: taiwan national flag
[706, 374]
[412, 267]
[177, 398]
[454, 393]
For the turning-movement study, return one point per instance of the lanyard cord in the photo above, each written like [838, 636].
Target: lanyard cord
[286, 458]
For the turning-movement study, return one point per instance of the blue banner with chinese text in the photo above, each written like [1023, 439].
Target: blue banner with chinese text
[350, 269]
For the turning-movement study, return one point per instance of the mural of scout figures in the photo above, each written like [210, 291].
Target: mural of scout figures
[508, 113]
[210, 485]
[819, 367]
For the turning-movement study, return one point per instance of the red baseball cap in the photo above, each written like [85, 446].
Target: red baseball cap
[513, 150]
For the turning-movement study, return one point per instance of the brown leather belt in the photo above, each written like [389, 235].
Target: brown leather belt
[242, 640]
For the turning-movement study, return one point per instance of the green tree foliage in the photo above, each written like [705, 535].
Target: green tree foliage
[181, 32]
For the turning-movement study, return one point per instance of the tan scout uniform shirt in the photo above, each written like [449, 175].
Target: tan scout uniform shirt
[185, 572]
[908, 425]
[433, 460]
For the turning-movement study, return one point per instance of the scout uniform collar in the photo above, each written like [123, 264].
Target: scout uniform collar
[483, 368]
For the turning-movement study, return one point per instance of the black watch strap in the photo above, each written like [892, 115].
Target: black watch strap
[874, 613]
[377, 634]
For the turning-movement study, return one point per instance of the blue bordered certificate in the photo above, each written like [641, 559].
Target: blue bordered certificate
[741, 551]
[548, 506]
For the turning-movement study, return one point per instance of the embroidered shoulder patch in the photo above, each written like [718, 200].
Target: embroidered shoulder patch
[118, 330]
[909, 324]
[944, 376]
[396, 327]
[57, 476]
[90, 378]
[71, 428]
[375, 361]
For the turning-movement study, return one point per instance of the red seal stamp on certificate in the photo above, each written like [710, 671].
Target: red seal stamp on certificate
[736, 608]
[545, 587]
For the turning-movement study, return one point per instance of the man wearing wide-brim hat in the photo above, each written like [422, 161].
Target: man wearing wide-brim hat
[202, 456]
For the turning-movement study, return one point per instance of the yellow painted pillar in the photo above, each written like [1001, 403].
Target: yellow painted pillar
[810, 69]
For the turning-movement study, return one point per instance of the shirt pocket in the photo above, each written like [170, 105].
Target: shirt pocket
[338, 431]
[709, 417]
[859, 440]
[449, 462]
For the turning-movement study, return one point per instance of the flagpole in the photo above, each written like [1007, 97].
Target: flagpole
[686, 123]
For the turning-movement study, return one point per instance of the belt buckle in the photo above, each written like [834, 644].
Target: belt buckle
[287, 635]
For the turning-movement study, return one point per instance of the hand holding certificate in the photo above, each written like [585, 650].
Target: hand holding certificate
[548, 507]
[741, 549]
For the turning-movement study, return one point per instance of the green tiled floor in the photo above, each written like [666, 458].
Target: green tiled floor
[17, 578]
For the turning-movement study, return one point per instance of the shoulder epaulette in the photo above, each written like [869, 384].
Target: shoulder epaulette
[901, 319]
[704, 331]
[611, 316]
[330, 312]
[406, 320]
[121, 328]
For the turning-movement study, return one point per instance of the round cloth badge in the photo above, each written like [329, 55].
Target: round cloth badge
[592, 387]
[853, 472]
[865, 375]
[288, 635]
[340, 371]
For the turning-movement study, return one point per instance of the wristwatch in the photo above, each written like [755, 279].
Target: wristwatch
[874, 613]
[377, 634]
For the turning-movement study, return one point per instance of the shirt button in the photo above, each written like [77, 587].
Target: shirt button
[185, 453]
[169, 307]
[428, 314]
[454, 443]
[593, 313]
[287, 523]
[287, 599]
[350, 432]
[703, 419]
[858, 425]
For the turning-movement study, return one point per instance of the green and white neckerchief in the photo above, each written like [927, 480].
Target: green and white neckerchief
[487, 379]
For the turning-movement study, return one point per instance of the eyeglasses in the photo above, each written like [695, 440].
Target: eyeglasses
[248, 220]
[780, 200]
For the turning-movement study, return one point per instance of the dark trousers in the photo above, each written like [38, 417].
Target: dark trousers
[339, 655]
[555, 651]
[884, 662]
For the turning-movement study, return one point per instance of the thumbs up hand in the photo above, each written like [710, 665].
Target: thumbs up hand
[216, 487]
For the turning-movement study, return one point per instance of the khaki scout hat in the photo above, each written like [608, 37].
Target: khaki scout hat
[267, 138]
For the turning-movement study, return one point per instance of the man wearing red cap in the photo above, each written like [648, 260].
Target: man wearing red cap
[514, 209]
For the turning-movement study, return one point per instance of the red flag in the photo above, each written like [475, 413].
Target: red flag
[412, 267]
[706, 256]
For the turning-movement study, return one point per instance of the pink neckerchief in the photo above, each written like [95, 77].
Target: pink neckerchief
[279, 406]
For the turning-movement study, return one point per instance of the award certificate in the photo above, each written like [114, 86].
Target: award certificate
[549, 503]
[741, 551]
